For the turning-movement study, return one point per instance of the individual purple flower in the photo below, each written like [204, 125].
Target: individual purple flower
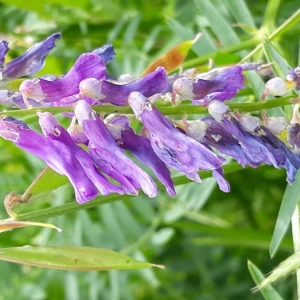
[117, 94]
[106, 52]
[53, 130]
[294, 77]
[108, 156]
[293, 135]
[15, 99]
[56, 154]
[173, 147]
[31, 61]
[218, 137]
[141, 148]
[223, 86]
[3, 50]
[262, 146]
[87, 65]
[291, 161]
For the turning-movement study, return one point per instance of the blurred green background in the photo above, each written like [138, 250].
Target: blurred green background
[204, 237]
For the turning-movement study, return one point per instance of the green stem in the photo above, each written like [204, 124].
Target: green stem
[73, 206]
[296, 241]
[166, 110]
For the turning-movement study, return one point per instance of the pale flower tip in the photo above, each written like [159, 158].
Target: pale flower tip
[83, 111]
[276, 87]
[137, 101]
[31, 89]
[90, 87]
[249, 123]
[218, 110]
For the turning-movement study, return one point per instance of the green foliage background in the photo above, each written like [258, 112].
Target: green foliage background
[203, 236]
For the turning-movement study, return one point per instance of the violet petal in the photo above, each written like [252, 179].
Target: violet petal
[52, 129]
[3, 50]
[32, 60]
[56, 154]
[141, 148]
[87, 65]
[174, 148]
[152, 83]
[108, 156]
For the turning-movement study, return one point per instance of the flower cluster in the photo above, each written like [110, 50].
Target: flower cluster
[92, 151]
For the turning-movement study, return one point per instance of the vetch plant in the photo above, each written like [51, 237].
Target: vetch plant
[146, 136]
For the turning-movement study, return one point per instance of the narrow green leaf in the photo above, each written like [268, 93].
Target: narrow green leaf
[290, 199]
[271, 14]
[222, 29]
[281, 67]
[203, 46]
[268, 292]
[72, 258]
[240, 12]
[233, 237]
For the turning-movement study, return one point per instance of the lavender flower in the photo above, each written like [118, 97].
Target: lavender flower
[56, 154]
[3, 50]
[87, 65]
[108, 156]
[174, 148]
[53, 130]
[293, 76]
[293, 135]
[222, 87]
[31, 61]
[141, 148]
[117, 94]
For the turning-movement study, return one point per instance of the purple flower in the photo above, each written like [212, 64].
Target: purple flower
[117, 94]
[293, 135]
[53, 130]
[222, 87]
[31, 61]
[87, 65]
[56, 154]
[294, 77]
[108, 156]
[3, 50]
[173, 147]
[262, 146]
[218, 137]
[285, 158]
[141, 148]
